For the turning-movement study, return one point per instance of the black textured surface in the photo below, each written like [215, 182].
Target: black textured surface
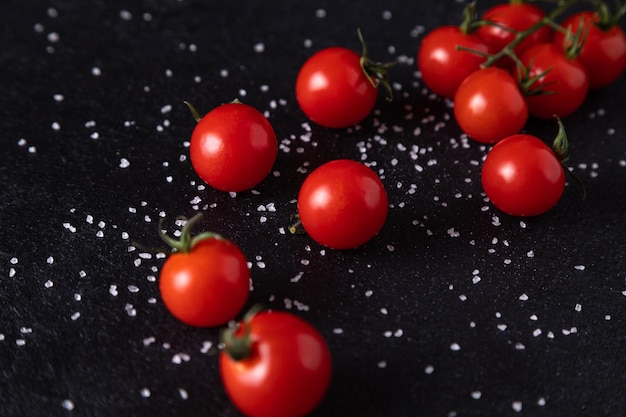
[454, 309]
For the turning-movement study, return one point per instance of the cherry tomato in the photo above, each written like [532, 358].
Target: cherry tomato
[233, 147]
[282, 369]
[489, 105]
[604, 50]
[511, 18]
[333, 90]
[342, 204]
[522, 176]
[442, 65]
[206, 282]
[563, 87]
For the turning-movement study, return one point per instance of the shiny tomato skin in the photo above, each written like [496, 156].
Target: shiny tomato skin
[342, 204]
[522, 176]
[287, 373]
[565, 83]
[604, 51]
[333, 90]
[207, 286]
[517, 17]
[442, 65]
[489, 106]
[233, 147]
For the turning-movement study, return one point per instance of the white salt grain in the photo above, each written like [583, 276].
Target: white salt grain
[68, 405]
[183, 393]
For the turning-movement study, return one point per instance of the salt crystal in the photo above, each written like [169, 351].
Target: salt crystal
[183, 393]
[68, 405]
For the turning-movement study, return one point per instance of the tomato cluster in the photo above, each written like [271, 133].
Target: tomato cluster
[514, 63]
[547, 67]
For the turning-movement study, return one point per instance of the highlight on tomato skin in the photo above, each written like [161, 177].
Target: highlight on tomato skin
[522, 176]
[233, 147]
[285, 371]
[342, 204]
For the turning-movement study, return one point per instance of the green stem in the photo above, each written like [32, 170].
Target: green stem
[520, 36]
[560, 147]
[296, 228]
[376, 72]
[193, 111]
[187, 242]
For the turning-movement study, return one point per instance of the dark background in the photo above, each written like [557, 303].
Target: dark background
[454, 309]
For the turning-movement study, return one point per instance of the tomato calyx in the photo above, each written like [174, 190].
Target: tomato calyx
[468, 21]
[187, 242]
[376, 72]
[527, 83]
[574, 42]
[607, 19]
[236, 341]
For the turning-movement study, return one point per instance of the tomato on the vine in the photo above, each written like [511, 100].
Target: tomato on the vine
[604, 50]
[275, 364]
[342, 204]
[509, 19]
[443, 66]
[558, 83]
[233, 147]
[206, 282]
[337, 88]
[489, 105]
[522, 176]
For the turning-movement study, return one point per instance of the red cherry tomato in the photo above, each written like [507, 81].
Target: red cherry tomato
[511, 18]
[604, 51]
[333, 90]
[206, 283]
[522, 176]
[342, 204]
[489, 105]
[285, 371]
[563, 88]
[233, 147]
[442, 65]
